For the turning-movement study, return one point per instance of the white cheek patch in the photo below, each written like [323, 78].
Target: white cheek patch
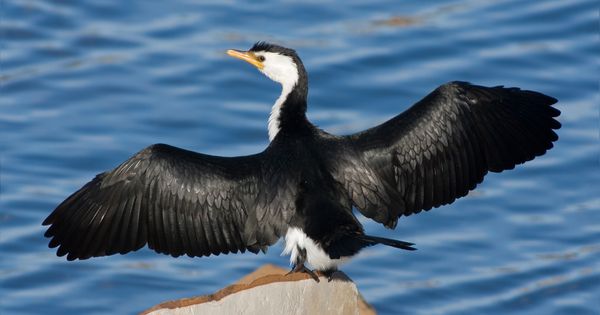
[281, 69]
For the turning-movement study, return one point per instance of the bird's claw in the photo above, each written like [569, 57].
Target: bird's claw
[328, 274]
[303, 269]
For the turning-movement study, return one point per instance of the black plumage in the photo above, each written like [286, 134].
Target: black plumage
[185, 203]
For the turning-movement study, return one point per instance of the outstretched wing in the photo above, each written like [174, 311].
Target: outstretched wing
[176, 201]
[442, 147]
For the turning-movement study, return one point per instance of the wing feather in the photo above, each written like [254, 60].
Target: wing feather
[176, 201]
[442, 147]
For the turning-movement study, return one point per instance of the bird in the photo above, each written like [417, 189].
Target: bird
[305, 184]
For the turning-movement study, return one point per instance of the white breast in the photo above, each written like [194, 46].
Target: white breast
[315, 255]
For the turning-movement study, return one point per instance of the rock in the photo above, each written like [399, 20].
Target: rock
[268, 290]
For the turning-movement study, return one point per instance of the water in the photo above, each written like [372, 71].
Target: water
[85, 84]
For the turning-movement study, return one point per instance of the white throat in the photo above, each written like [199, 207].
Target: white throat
[281, 69]
[276, 111]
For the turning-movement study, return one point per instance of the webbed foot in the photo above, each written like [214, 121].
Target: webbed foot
[303, 269]
[329, 274]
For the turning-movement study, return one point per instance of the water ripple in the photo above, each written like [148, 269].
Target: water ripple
[83, 85]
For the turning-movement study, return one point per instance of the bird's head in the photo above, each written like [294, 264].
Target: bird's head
[280, 64]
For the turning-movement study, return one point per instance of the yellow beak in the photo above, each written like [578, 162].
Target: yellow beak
[247, 56]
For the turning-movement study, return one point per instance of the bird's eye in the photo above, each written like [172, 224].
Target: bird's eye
[261, 58]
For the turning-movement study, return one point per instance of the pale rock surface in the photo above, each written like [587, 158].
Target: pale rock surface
[269, 291]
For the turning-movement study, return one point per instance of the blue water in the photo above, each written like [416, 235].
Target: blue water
[85, 84]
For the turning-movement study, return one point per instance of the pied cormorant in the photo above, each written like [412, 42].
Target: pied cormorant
[304, 185]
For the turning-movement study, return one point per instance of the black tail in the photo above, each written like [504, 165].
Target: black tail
[372, 240]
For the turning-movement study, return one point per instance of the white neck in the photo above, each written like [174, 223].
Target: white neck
[276, 110]
[282, 69]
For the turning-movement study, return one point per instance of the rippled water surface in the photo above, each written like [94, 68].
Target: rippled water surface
[85, 84]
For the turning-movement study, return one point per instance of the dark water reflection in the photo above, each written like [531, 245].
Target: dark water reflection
[86, 84]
